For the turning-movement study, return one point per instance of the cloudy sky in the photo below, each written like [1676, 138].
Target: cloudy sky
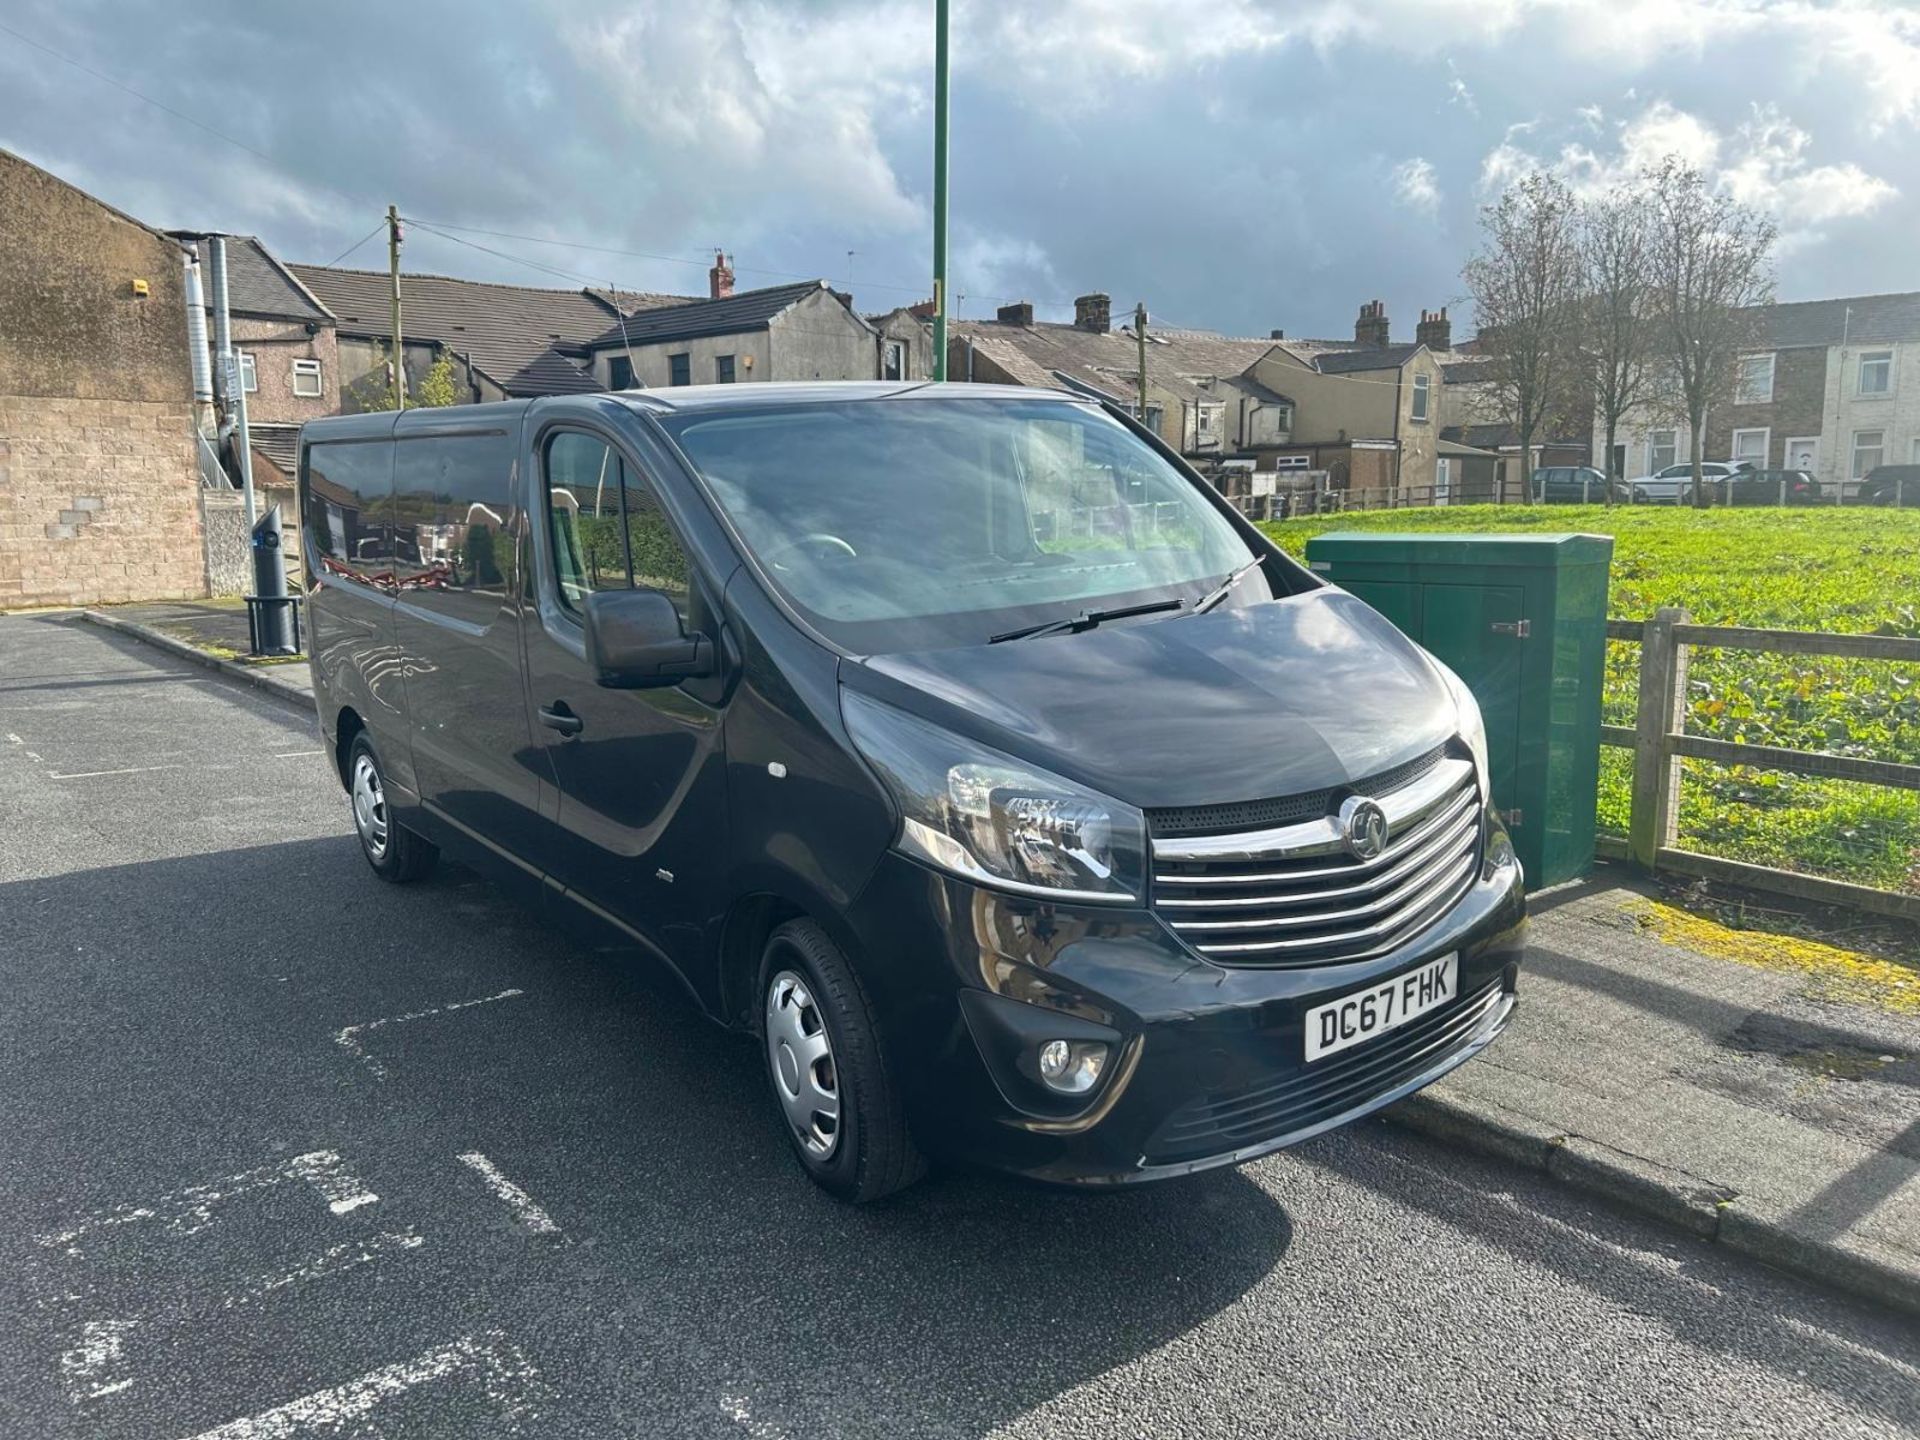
[1237, 165]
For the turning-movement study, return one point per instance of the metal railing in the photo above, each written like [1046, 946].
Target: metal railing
[1661, 744]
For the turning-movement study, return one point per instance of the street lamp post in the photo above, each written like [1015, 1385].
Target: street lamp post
[940, 105]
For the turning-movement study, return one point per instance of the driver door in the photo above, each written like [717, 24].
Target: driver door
[638, 775]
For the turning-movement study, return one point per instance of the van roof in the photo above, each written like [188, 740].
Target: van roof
[678, 399]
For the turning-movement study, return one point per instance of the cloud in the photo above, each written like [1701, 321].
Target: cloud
[1416, 185]
[1764, 162]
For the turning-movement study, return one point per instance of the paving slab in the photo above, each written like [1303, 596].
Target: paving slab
[1760, 1090]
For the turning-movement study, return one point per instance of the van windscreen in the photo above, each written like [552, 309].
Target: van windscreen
[915, 524]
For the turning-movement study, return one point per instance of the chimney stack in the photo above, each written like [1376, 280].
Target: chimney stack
[1371, 328]
[1276, 334]
[1093, 312]
[1435, 331]
[720, 277]
[1019, 313]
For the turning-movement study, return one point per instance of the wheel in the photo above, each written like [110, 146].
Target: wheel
[1639, 496]
[838, 1103]
[394, 852]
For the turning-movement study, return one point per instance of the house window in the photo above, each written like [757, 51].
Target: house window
[1422, 387]
[1756, 381]
[619, 373]
[1869, 451]
[679, 369]
[893, 362]
[307, 380]
[1750, 446]
[1663, 449]
[1876, 372]
[723, 369]
[1207, 422]
[249, 377]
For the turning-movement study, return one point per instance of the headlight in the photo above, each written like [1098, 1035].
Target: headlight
[1472, 728]
[991, 818]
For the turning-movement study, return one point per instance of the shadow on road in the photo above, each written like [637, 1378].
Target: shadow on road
[197, 1025]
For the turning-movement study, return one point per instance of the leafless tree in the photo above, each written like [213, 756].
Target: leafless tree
[1525, 280]
[1712, 263]
[1620, 331]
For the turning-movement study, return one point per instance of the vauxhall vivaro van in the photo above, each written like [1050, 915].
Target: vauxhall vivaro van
[959, 742]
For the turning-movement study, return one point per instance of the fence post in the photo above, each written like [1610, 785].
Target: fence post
[1655, 817]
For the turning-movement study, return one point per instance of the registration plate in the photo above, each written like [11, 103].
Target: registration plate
[1345, 1022]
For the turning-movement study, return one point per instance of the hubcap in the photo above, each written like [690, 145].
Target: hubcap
[369, 807]
[800, 1058]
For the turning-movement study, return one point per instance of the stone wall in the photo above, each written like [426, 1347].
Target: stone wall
[229, 556]
[98, 483]
[97, 501]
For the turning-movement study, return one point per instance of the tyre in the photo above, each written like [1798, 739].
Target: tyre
[395, 852]
[838, 1103]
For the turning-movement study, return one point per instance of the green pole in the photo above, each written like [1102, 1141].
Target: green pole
[940, 105]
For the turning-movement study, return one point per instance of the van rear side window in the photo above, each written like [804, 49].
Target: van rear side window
[347, 507]
[607, 528]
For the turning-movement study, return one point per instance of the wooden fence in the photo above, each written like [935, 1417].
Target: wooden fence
[1659, 742]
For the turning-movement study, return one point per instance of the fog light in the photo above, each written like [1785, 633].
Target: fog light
[1072, 1066]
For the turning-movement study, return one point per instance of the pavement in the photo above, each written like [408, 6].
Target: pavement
[212, 633]
[290, 1152]
[1759, 1090]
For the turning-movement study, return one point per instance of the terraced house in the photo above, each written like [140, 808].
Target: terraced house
[1831, 387]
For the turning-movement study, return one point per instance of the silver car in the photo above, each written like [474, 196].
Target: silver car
[1675, 483]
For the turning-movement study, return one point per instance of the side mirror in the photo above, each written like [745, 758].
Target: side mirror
[635, 641]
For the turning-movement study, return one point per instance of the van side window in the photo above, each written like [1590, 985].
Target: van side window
[454, 523]
[346, 505]
[608, 529]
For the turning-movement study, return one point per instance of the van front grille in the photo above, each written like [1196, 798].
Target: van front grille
[1294, 895]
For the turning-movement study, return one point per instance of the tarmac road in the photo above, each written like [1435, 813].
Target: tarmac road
[286, 1152]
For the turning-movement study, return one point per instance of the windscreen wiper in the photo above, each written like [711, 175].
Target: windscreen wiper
[1220, 592]
[1086, 620]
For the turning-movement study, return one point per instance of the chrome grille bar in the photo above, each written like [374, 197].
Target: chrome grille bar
[1293, 895]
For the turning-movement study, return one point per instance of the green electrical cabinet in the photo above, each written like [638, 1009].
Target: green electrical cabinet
[1522, 619]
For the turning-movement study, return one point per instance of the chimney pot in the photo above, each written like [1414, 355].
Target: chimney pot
[720, 277]
[1018, 313]
[1093, 312]
[1372, 328]
[1436, 331]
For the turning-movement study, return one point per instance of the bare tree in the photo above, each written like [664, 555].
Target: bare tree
[1619, 326]
[1525, 282]
[1712, 263]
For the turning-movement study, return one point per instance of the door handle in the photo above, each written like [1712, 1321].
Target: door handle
[558, 717]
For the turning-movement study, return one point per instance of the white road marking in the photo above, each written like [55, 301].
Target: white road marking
[735, 1408]
[86, 1368]
[190, 1209]
[96, 774]
[517, 1200]
[510, 1380]
[349, 1038]
[345, 1256]
[297, 754]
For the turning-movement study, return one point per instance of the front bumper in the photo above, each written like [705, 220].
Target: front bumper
[1208, 1067]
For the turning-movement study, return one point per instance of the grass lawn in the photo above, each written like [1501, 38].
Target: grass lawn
[1835, 570]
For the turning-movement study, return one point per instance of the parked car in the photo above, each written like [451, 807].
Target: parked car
[1762, 487]
[1574, 485]
[1669, 486]
[1890, 485]
[1101, 858]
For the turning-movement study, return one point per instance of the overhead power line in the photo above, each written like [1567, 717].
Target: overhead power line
[106, 79]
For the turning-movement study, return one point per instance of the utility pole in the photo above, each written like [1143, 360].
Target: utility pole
[1140, 338]
[940, 108]
[393, 279]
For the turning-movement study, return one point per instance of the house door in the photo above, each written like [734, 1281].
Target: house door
[1443, 481]
[1620, 461]
[1803, 454]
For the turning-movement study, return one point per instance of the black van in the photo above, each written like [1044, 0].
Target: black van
[958, 741]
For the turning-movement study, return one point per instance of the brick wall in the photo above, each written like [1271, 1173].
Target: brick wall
[98, 485]
[1799, 398]
[98, 502]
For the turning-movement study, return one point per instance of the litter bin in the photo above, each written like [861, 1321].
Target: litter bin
[1522, 619]
[273, 621]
